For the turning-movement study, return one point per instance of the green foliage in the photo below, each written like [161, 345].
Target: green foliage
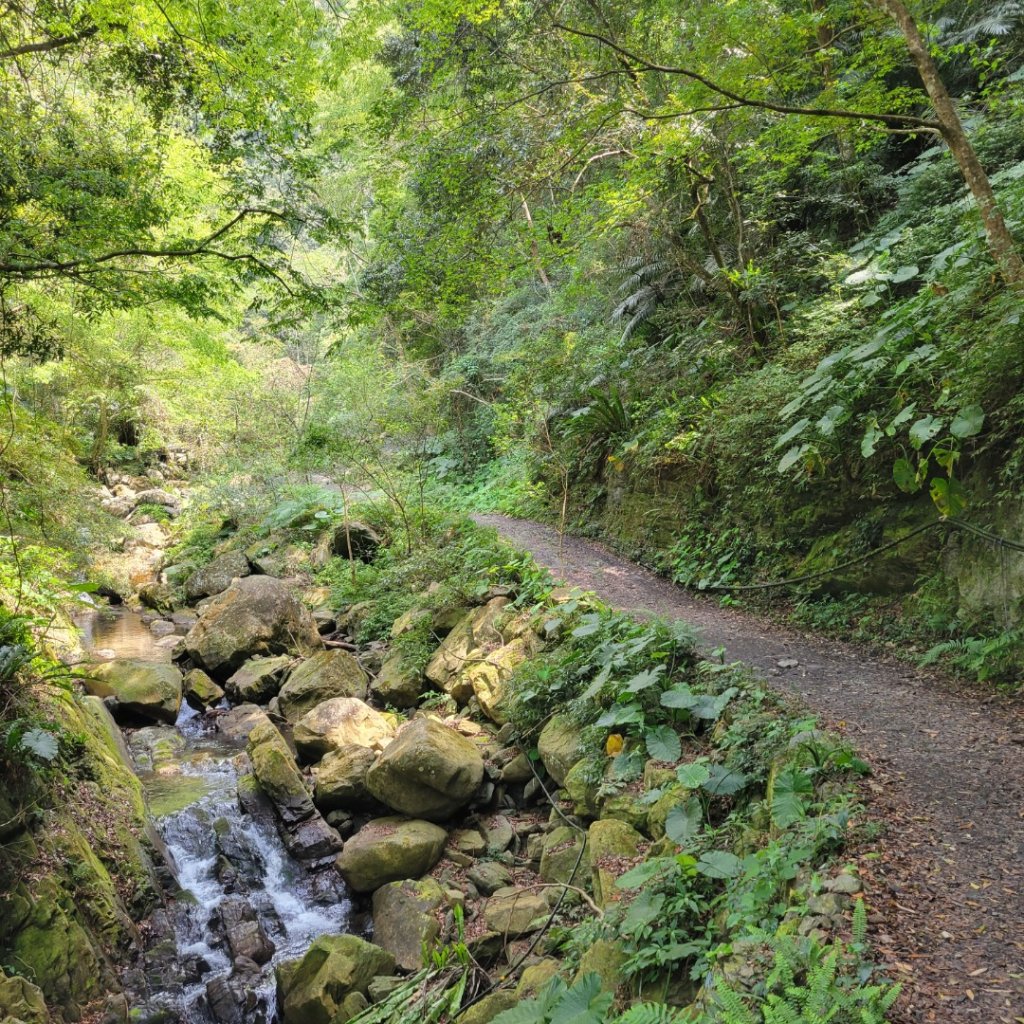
[558, 1003]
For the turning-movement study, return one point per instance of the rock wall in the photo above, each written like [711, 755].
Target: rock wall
[76, 869]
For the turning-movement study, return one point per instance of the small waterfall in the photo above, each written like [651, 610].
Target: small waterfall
[243, 903]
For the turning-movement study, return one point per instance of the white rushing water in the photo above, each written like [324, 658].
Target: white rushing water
[224, 856]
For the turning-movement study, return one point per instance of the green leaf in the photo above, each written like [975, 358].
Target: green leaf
[683, 822]
[645, 679]
[693, 776]
[790, 796]
[663, 743]
[724, 781]
[904, 475]
[791, 457]
[719, 864]
[680, 697]
[42, 743]
[949, 496]
[621, 714]
[924, 430]
[642, 911]
[643, 873]
[905, 273]
[798, 428]
[870, 440]
[968, 421]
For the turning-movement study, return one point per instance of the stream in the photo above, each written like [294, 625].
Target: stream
[243, 903]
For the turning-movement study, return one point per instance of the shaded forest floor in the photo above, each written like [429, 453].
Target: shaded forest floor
[946, 882]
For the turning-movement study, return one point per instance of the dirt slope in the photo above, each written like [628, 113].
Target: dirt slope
[948, 888]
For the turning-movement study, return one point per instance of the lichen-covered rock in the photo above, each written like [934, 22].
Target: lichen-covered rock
[200, 691]
[397, 684]
[405, 919]
[237, 723]
[257, 680]
[489, 876]
[604, 958]
[159, 597]
[313, 990]
[614, 847]
[427, 770]
[516, 911]
[338, 723]
[21, 1001]
[560, 746]
[582, 790]
[561, 860]
[144, 689]
[389, 850]
[535, 977]
[326, 675]
[487, 678]
[489, 1007]
[341, 779]
[627, 807]
[468, 641]
[277, 774]
[255, 615]
[217, 576]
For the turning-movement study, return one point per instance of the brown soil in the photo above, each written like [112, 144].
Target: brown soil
[946, 882]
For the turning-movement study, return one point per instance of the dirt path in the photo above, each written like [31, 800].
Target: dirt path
[948, 888]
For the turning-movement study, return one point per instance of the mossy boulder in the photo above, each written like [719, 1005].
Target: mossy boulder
[339, 723]
[277, 774]
[582, 790]
[341, 779]
[627, 807]
[389, 850]
[605, 958]
[314, 989]
[469, 641]
[405, 919]
[560, 859]
[257, 680]
[614, 848]
[427, 770]
[560, 745]
[255, 615]
[326, 675]
[217, 576]
[516, 911]
[200, 691]
[674, 796]
[355, 540]
[21, 1001]
[141, 689]
[158, 597]
[489, 1007]
[487, 678]
[535, 977]
[397, 683]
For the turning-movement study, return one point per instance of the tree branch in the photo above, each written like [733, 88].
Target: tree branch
[51, 266]
[644, 65]
[45, 45]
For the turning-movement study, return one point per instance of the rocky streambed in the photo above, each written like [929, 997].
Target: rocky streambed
[320, 835]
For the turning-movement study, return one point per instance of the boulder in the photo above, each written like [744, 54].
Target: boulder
[257, 680]
[405, 919]
[313, 990]
[326, 675]
[535, 977]
[561, 860]
[162, 628]
[489, 1007]
[390, 850]
[467, 642]
[362, 540]
[21, 1001]
[605, 958]
[242, 930]
[143, 689]
[396, 684]
[256, 615]
[341, 722]
[313, 840]
[240, 721]
[489, 876]
[487, 678]
[277, 774]
[341, 779]
[614, 848]
[217, 576]
[428, 770]
[560, 746]
[200, 690]
[234, 998]
[159, 597]
[516, 911]
[156, 496]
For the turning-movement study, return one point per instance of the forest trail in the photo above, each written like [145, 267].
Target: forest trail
[947, 891]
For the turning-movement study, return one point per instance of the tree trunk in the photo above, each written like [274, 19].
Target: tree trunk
[1000, 241]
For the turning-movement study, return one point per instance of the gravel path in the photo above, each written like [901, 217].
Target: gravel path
[947, 888]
